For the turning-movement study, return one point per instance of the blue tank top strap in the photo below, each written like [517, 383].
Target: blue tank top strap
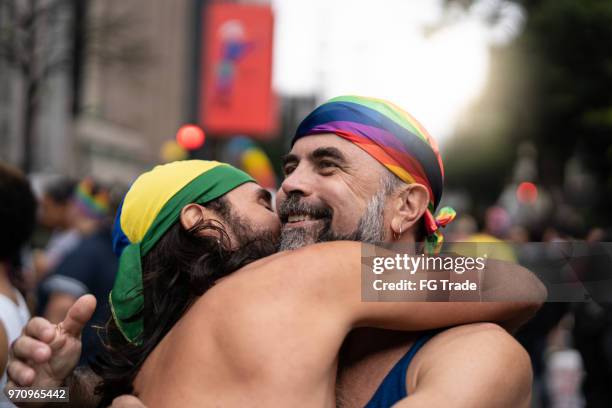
[393, 388]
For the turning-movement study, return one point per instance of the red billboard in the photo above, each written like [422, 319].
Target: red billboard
[236, 94]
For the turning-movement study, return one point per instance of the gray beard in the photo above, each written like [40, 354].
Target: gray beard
[370, 229]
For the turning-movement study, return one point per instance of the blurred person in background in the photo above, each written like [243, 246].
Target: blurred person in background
[89, 268]
[518, 234]
[597, 234]
[592, 329]
[552, 319]
[497, 224]
[17, 217]
[54, 211]
[463, 227]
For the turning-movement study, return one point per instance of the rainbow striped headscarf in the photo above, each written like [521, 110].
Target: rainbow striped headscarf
[151, 206]
[92, 200]
[395, 139]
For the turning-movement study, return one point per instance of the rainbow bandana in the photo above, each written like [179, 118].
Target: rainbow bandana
[394, 138]
[95, 205]
[151, 206]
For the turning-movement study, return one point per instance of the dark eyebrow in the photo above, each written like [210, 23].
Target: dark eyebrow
[329, 153]
[262, 193]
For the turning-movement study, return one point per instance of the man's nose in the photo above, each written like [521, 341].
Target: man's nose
[300, 181]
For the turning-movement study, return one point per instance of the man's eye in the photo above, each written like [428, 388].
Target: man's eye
[289, 169]
[327, 164]
[266, 204]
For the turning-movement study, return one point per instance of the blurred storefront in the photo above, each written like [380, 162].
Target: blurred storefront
[131, 106]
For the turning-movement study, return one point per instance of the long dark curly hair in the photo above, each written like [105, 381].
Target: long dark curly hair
[181, 267]
[18, 219]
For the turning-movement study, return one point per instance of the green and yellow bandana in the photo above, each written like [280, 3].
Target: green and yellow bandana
[151, 206]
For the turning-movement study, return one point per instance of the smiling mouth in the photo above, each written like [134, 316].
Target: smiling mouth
[295, 213]
[298, 218]
[302, 220]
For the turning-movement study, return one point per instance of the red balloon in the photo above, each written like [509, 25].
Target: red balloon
[527, 193]
[190, 137]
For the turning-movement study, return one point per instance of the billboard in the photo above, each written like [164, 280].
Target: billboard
[236, 91]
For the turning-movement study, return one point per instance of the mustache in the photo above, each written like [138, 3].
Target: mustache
[294, 205]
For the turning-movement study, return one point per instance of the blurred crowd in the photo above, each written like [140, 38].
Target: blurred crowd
[67, 224]
[570, 343]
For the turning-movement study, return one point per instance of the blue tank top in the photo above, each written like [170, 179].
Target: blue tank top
[393, 387]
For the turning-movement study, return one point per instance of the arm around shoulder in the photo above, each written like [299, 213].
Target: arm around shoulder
[330, 276]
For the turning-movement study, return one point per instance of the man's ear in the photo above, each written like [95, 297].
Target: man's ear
[410, 205]
[192, 214]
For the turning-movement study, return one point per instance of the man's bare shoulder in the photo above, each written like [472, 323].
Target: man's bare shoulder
[476, 341]
[481, 361]
[263, 303]
[289, 271]
[284, 292]
[484, 329]
[310, 256]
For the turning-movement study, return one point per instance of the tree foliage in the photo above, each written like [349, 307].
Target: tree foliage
[550, 86]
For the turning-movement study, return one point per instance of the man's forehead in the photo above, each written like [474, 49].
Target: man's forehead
[317, 146]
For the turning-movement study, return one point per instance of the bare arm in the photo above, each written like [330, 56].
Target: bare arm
[472, 366]
[334, 274]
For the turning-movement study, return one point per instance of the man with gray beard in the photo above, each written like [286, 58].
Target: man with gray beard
[361, 169]
[370, 228]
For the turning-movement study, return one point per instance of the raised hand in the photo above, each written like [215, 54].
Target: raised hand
[45, 354]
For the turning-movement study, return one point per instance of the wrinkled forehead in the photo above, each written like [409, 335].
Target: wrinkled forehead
[316, 146]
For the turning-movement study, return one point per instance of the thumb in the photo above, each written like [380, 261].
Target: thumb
[79, 314]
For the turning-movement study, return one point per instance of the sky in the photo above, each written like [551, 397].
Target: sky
[379, 48]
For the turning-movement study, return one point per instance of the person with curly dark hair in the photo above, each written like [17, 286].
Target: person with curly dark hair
[17, 217]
